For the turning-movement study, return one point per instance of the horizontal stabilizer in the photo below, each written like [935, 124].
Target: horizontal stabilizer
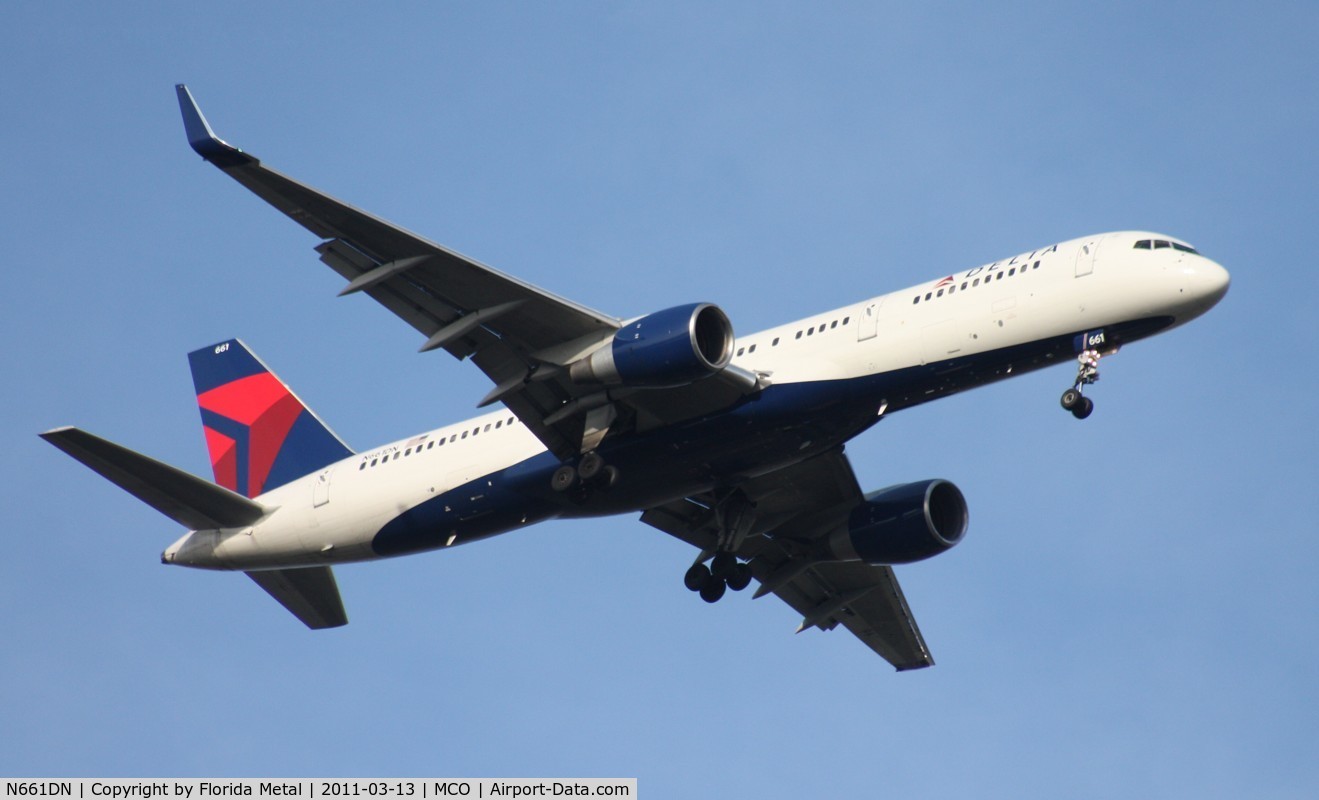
[188, 500]
[311, 593]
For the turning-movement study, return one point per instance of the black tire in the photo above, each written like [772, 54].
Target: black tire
[696, 577]
[740, 578]
[563, 478]
[608, 476]
[1071, 399]
[723, 564]
[1084, 409]
[590, 466]
[713, 589]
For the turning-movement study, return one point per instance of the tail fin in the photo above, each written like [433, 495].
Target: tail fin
[259, 434]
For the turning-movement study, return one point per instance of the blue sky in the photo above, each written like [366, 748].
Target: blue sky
[1132, 612]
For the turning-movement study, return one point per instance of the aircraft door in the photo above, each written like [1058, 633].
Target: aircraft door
[1085, 257]
[868, 325]
[320, 493]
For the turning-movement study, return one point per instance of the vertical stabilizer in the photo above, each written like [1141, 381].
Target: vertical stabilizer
[259, 434]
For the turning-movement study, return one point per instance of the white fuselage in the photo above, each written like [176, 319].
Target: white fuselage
[1092, 284]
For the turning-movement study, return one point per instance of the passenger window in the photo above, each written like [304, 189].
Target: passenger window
[361, 466]
[915, 299]
[798, 334]
[751, 349]
[774, 343]
[487, 427]
[833, 325]
[1000, 277]
[845, 319]
[940, 294]
[741, 350]
[928, 295]
[464, 434]
[964, 286]
[1012, 272]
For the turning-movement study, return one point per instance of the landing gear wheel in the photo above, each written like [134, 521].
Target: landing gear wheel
[740, 578]
[563, 478]
[1084, 408]
[590, 466]
[723, 564]
[713, 589]
[1071, 399]
[697, 577]
[608, 476]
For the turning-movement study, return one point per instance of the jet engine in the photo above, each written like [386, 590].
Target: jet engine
[902, 524]
[673, 347]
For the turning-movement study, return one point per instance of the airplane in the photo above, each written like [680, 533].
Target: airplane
[733, 444]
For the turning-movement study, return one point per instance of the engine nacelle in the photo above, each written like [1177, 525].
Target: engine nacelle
[673, 347]
[902, 524]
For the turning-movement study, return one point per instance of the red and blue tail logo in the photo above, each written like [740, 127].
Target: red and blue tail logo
[259, 434]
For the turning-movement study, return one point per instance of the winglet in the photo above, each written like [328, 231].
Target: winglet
[203, 139]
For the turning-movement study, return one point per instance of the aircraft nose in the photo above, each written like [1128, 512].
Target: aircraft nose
[1200, 283]
[1209, 282]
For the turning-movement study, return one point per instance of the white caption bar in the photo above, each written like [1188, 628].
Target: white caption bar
[308, 788]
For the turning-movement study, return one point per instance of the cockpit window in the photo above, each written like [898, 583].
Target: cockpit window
[1163, 244]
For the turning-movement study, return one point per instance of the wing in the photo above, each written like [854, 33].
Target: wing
[792, 508]
[518, 334]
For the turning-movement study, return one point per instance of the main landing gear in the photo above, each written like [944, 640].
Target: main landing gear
[724, 572]
[1087, 372]
[591, 471]
[734, 516]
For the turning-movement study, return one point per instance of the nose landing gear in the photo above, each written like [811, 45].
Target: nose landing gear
[1087, 372]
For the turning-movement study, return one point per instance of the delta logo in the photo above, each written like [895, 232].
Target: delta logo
[246, 423]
